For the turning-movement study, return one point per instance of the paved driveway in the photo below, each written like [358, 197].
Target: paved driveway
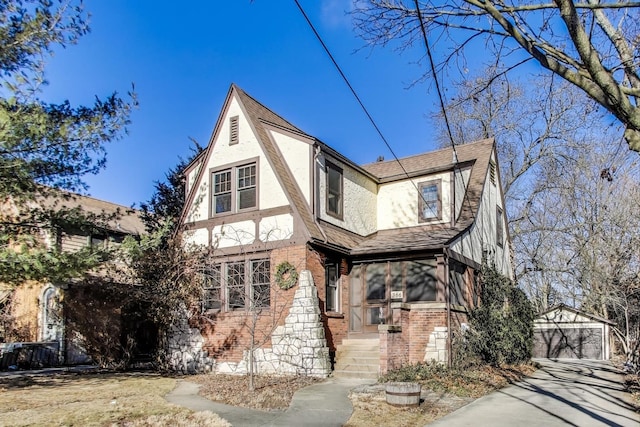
[562, 393]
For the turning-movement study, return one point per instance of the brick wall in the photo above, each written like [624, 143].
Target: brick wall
[421, 324]
[394, 348]
[228, 334]
[336, 324]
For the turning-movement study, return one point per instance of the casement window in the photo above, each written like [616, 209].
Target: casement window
[260, 283]
[499, 227]
[211, 288]
[237, 285]
[234, 189]
[334, 199]
[429, 201]
[236, 289]
[332, 276]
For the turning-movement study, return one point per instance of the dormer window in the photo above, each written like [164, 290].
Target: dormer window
[429, 201]
[334, 191]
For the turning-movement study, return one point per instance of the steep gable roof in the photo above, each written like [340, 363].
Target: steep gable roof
[259, 117]
[475, 156]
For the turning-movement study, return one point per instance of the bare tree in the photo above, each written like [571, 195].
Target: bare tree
[592, 252]
[247, 287]
[537, 128]
[591, 44]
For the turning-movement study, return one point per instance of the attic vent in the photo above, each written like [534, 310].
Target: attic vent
[492, 172]
[233, 130]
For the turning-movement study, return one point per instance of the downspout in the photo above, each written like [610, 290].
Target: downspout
[448, 305]
[316, 194]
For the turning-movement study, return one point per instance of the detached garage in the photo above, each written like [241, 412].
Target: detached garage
[567, 333]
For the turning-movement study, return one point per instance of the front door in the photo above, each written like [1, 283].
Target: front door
[368, 298]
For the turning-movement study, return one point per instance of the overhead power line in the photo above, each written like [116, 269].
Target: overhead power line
[346, 80]
[435, 79]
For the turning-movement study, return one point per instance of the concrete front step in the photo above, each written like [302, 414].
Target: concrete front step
[361, 345]
[357, 367]
[357, 374]
[358, 358]
[367, 359]
[360, 354]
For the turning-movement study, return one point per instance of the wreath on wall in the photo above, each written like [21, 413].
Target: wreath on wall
[286, 275]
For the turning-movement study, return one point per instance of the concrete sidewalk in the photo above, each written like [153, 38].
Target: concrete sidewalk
[562, 393]
[323, 404]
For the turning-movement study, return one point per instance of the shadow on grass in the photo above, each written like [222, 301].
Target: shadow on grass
[63, 379]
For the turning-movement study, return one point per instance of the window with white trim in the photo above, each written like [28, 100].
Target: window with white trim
[211, 287]
[234, 189]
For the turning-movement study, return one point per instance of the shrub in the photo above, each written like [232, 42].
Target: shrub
[501, 327]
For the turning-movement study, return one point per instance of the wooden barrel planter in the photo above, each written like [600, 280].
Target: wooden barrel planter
[403, 394]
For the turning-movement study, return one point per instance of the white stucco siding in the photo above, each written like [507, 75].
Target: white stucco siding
[191, 177]
[233, 234]
[359, 194]
[481, 238]
[297, 155]
[398, 202]
[274, 228]
[270, 193]
[461, 183]
[195, 238]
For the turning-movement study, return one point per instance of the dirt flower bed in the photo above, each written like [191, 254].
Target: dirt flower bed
[443, 391]
[271, 392]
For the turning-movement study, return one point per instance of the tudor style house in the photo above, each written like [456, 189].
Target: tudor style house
[388, 253]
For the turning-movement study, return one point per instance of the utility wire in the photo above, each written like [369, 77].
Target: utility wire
[435, 78]
[346, 80]
[444, 110]
[344, 77]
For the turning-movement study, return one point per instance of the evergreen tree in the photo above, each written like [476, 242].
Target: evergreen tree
[46, 149]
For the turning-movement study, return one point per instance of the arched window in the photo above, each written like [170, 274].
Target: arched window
[51, 320]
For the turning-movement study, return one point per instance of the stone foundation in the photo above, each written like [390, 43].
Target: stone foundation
[185, 349]
[298, 347]
[437, 350]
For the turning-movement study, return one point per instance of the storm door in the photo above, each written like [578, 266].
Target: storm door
[355, 300]
[375, 296]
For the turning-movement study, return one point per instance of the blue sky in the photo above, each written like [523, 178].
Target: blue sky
[183, 59]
